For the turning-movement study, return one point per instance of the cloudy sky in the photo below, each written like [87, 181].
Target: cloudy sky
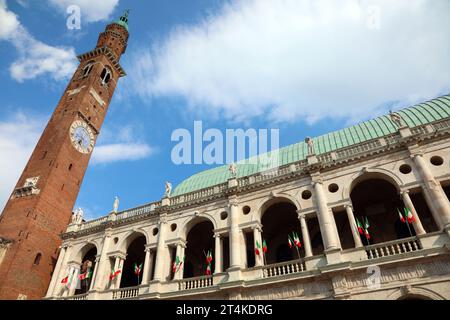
[305, 67]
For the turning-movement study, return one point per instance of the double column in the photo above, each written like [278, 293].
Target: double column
[257, 238]
[60, 264]
[101, 275]
[434, 194]
[181, 247]
[119, 260]
[146, 272]
[326, 221]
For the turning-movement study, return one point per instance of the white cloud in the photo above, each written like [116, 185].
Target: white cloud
[309, 59]
[35, 57]
[120, 152]
[120, 145]
[18, 137]
[91, 11]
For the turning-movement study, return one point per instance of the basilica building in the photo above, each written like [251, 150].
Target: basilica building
[359, 213]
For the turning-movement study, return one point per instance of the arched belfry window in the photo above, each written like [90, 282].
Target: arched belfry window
[105, 76]
[87, 69]
[37, 259]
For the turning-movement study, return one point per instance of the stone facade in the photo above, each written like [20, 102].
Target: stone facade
[414, 161]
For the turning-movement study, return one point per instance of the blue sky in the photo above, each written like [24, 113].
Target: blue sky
[299, 66]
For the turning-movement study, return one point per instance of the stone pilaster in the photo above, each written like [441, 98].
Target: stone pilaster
[101, 278]
[56, 273]
[257, 238]
[218, 253]
[181, 247]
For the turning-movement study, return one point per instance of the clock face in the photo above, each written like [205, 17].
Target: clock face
[82, 136]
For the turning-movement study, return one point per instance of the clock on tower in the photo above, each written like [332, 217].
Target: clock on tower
[41, 204]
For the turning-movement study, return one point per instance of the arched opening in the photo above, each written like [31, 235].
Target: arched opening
[105, 76]
[135, 258]
[200, 240]
[37, 259]
[86, 270]
[279, 221]
[377, 201]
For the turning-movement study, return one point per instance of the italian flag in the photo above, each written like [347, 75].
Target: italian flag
[258, 247]
[114, 274]
[409, 216]
[176, 264]
[402, 218]
[296, 240]
[137, 269]
[366, 229]
[208, 269]
[289, 242]
[209, 257]
[85, 275]
[264, 246]
[359, 225]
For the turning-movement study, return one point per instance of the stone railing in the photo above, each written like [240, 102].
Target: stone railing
[148, 208]
[195, 283]
[93, 223]
[393, 248]
[325, 159]
[82, 296]
[125, 293]
[283, 268]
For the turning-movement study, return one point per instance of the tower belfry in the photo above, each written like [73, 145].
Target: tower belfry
[40, 206]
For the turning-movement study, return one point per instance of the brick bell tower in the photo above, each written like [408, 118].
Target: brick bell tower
[41, 204]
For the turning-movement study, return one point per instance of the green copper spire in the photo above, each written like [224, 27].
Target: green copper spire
[123, 20]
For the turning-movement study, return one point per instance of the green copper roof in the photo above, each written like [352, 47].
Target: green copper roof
[123, 20]
[417, 115]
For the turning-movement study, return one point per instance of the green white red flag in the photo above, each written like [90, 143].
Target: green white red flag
[85, 275]
[359, 225]
[406, 216]
[264, 246]
[137, 269]
[400, 215]
[209, 257]
[258, 248]
[114, 274]
[289, 242]
[296, 240]
[366, 229]
[208, 269]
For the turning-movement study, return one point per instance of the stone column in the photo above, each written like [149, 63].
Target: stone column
[73, 278]
[353, 227]
[104, 267]
[259, 259]
[56, 272]
[434, 194]
[218, 253]
[418, 228]
[147, 265]
[235, 241]
[94, 274]
[161, 249]
[179, 253]
[118, 265]
[327, 228]
[305, 235]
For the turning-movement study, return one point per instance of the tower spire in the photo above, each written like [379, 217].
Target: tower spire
[123, 20]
